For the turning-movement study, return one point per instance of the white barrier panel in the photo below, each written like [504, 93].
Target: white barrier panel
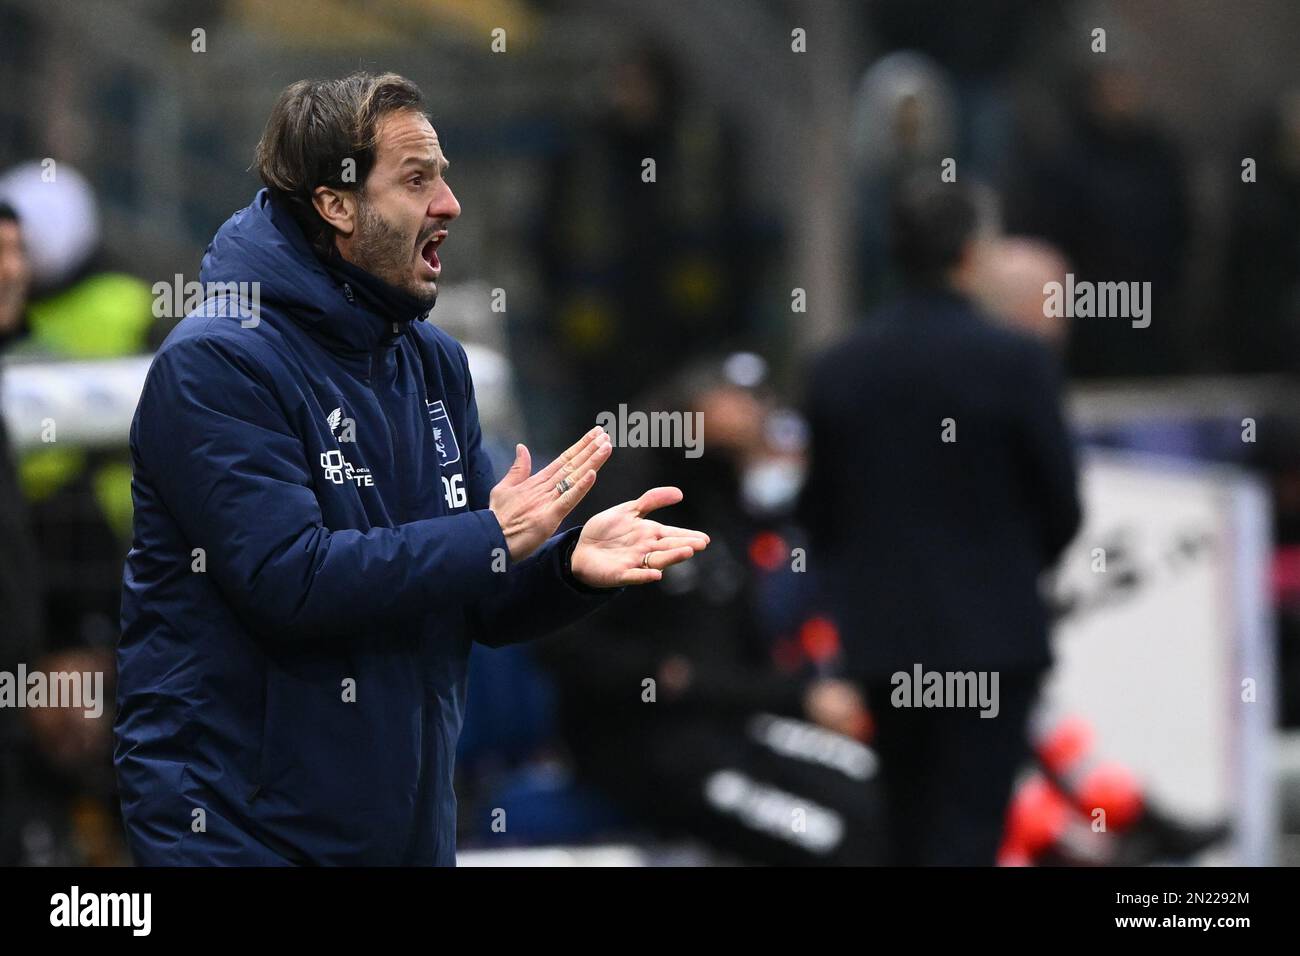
[92, 403]
[86, 403]
[1163, 651]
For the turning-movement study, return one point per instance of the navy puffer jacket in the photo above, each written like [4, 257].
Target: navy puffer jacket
[312, 557]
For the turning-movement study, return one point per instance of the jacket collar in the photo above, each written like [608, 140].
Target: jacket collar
[388, 310]
[367, 314]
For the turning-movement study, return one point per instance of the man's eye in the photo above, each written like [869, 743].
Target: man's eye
[417, 180]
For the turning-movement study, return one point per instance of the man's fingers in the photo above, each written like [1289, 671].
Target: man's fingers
[550, 471]
[573, 449]
[590, 464]
[640, 576]
[655, 562]
[696, 542]
[569, 500]
[666, 559]
[657, 498]
[668, 531]
[595, 454]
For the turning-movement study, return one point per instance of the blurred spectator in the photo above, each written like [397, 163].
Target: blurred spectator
[1261, 328]
[733, 747]
[904, 122]
[60, 805]
[1010, 286]
[21, 610]
[979, 45]
[57, 800]
[80, 308]
[651, 269]
[942, 485]
[1113, 197]
[15, 276]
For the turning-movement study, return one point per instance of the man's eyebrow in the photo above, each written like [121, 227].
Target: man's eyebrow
[423, 162]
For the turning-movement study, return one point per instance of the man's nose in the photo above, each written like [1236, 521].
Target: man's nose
[444, 204]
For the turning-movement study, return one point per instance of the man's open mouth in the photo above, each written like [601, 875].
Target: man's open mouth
[429, 253]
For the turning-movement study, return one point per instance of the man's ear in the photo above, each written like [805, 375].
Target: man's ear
[338, 207]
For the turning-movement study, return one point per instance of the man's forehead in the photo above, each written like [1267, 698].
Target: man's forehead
[407, 137]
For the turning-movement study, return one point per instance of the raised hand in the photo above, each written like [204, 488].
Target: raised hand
[621, 546]
[530, 507]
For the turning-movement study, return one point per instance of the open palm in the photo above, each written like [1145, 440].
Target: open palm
[621, 546]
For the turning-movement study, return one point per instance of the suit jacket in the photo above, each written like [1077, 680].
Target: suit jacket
[942, 485]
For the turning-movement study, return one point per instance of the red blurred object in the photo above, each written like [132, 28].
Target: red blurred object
[1066, 744]
[820, 639]
[1286, 576]
[1089, 783]
[1036, 819]
[864, 730]
[1114, 789]
[768, 550]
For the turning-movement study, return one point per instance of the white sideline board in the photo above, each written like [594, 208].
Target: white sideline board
[92, 403]
[1158, 669]
[84, 402]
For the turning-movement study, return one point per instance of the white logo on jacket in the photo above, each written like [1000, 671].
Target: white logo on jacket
[337, 468]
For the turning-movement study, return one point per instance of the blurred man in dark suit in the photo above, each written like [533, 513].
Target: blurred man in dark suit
[942, 486]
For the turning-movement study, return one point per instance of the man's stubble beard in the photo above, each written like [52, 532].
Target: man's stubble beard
[383, 251]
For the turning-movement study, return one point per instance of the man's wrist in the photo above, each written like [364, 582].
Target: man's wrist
[566, 566]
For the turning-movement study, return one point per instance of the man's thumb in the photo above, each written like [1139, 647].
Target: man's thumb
[523, 466]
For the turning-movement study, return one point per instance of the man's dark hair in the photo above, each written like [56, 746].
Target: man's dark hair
[930, 223]
[317, 124]
[8, 213]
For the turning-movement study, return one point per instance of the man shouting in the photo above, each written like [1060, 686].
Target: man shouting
[317, 535]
